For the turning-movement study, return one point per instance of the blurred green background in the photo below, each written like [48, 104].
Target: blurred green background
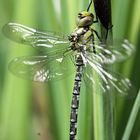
[35, 111]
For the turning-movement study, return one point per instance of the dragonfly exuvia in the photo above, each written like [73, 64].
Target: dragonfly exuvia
[87, 56]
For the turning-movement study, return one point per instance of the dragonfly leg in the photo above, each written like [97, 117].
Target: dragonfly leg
[93, 47]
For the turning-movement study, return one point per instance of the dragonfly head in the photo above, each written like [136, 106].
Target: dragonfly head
[84, 19]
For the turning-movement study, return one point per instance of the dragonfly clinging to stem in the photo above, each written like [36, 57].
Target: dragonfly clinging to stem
[89, 57]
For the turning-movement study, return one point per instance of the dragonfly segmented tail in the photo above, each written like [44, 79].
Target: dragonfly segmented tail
[75, 97]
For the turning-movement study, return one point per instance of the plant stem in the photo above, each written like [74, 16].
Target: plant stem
[132, 118]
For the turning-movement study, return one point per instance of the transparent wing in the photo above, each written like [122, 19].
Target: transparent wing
[98, 77]
[42, 40]
[110, 53]
[40, 68]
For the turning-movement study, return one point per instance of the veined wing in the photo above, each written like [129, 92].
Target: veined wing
[99, 77]
[51, 41]
[110, 53]
[41, 68]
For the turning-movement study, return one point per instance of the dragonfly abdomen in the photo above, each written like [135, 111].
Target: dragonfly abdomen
[75, 98]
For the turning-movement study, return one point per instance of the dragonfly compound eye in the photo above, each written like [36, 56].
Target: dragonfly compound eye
[84, 19]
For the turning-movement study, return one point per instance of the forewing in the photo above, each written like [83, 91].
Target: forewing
[50, 41]
[40, 68]
[111, 52]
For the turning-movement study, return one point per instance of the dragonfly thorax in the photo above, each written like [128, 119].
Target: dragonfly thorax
[80, 38]
[83, 34]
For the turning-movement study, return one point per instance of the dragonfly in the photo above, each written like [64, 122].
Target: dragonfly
[88, 56]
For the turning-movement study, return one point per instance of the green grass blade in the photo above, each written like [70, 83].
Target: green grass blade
[132, 118]
[103, 105]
